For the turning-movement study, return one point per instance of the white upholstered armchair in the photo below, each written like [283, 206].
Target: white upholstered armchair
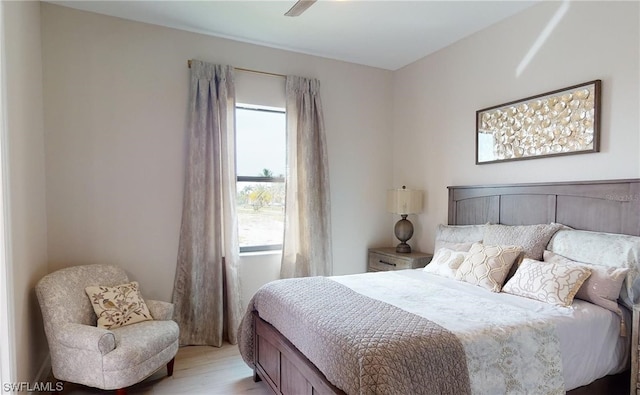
[86, 354]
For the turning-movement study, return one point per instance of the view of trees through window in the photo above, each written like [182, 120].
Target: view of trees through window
[261, 158]
[262, 195]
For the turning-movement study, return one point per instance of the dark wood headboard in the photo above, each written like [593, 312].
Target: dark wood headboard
[607, 206]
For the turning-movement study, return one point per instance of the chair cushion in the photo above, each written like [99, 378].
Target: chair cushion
[137, 343]
[118, 306]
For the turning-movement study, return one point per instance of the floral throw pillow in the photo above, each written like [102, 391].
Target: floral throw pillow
[118, 306]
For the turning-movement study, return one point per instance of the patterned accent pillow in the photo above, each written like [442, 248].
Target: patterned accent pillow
[601, 288]
[487, 265]
[532, 238]
[118, 306]
[458, 237]
[445, 263]
[547, 282]
[603, 249]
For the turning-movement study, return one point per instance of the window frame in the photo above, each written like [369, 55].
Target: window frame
[239, 178]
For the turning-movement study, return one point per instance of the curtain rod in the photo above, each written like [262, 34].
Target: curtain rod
[251, 71]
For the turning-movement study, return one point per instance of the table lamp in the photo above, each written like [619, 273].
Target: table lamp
[404, 202]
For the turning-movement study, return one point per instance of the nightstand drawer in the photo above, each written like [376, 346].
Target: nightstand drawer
[382, 259]
[385, 262]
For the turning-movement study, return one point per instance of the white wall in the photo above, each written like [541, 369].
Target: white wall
[436, 99]
[26, 181]
[115, 95]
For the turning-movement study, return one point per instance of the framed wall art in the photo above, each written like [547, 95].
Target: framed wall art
[562, 122]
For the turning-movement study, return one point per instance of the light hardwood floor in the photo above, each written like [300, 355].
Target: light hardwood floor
[197, 370]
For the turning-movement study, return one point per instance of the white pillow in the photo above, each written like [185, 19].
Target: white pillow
[602, 287]
[547, 282]
[445, 262]
[603, 249]
[487, 266]
[458, 237]
[532, 238]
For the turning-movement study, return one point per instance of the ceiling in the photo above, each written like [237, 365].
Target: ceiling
[383, 34]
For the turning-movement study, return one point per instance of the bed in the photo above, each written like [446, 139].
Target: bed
[400, 332]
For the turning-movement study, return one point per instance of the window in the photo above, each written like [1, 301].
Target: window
[260, 164]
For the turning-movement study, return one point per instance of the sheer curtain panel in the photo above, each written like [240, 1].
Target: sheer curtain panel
[307, 238]
[206, 290]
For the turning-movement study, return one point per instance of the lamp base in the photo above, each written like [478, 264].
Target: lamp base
[403, 248]
[403, 231]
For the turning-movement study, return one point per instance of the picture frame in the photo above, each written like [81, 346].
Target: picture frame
[561, 122]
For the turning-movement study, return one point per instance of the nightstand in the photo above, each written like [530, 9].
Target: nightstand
[381, 259]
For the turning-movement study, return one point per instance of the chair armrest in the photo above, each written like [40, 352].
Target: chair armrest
[161, 311]
[86, 337]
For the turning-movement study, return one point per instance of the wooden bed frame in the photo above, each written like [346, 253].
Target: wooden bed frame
[603, 206]
[608, 206]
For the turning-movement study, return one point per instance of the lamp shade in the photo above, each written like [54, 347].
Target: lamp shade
[404, 201]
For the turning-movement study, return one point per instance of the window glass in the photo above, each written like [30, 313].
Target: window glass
[260, 140]
[261, 159]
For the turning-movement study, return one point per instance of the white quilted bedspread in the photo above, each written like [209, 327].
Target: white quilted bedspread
[507, 346]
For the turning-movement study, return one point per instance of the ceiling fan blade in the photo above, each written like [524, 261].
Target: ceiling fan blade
[299, 7]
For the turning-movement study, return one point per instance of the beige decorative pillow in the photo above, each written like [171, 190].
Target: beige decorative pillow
[532, 238]
[118, 306]
[487, 265]
[603, 249]
[547, 282]
[445, 263]
[602, 287]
